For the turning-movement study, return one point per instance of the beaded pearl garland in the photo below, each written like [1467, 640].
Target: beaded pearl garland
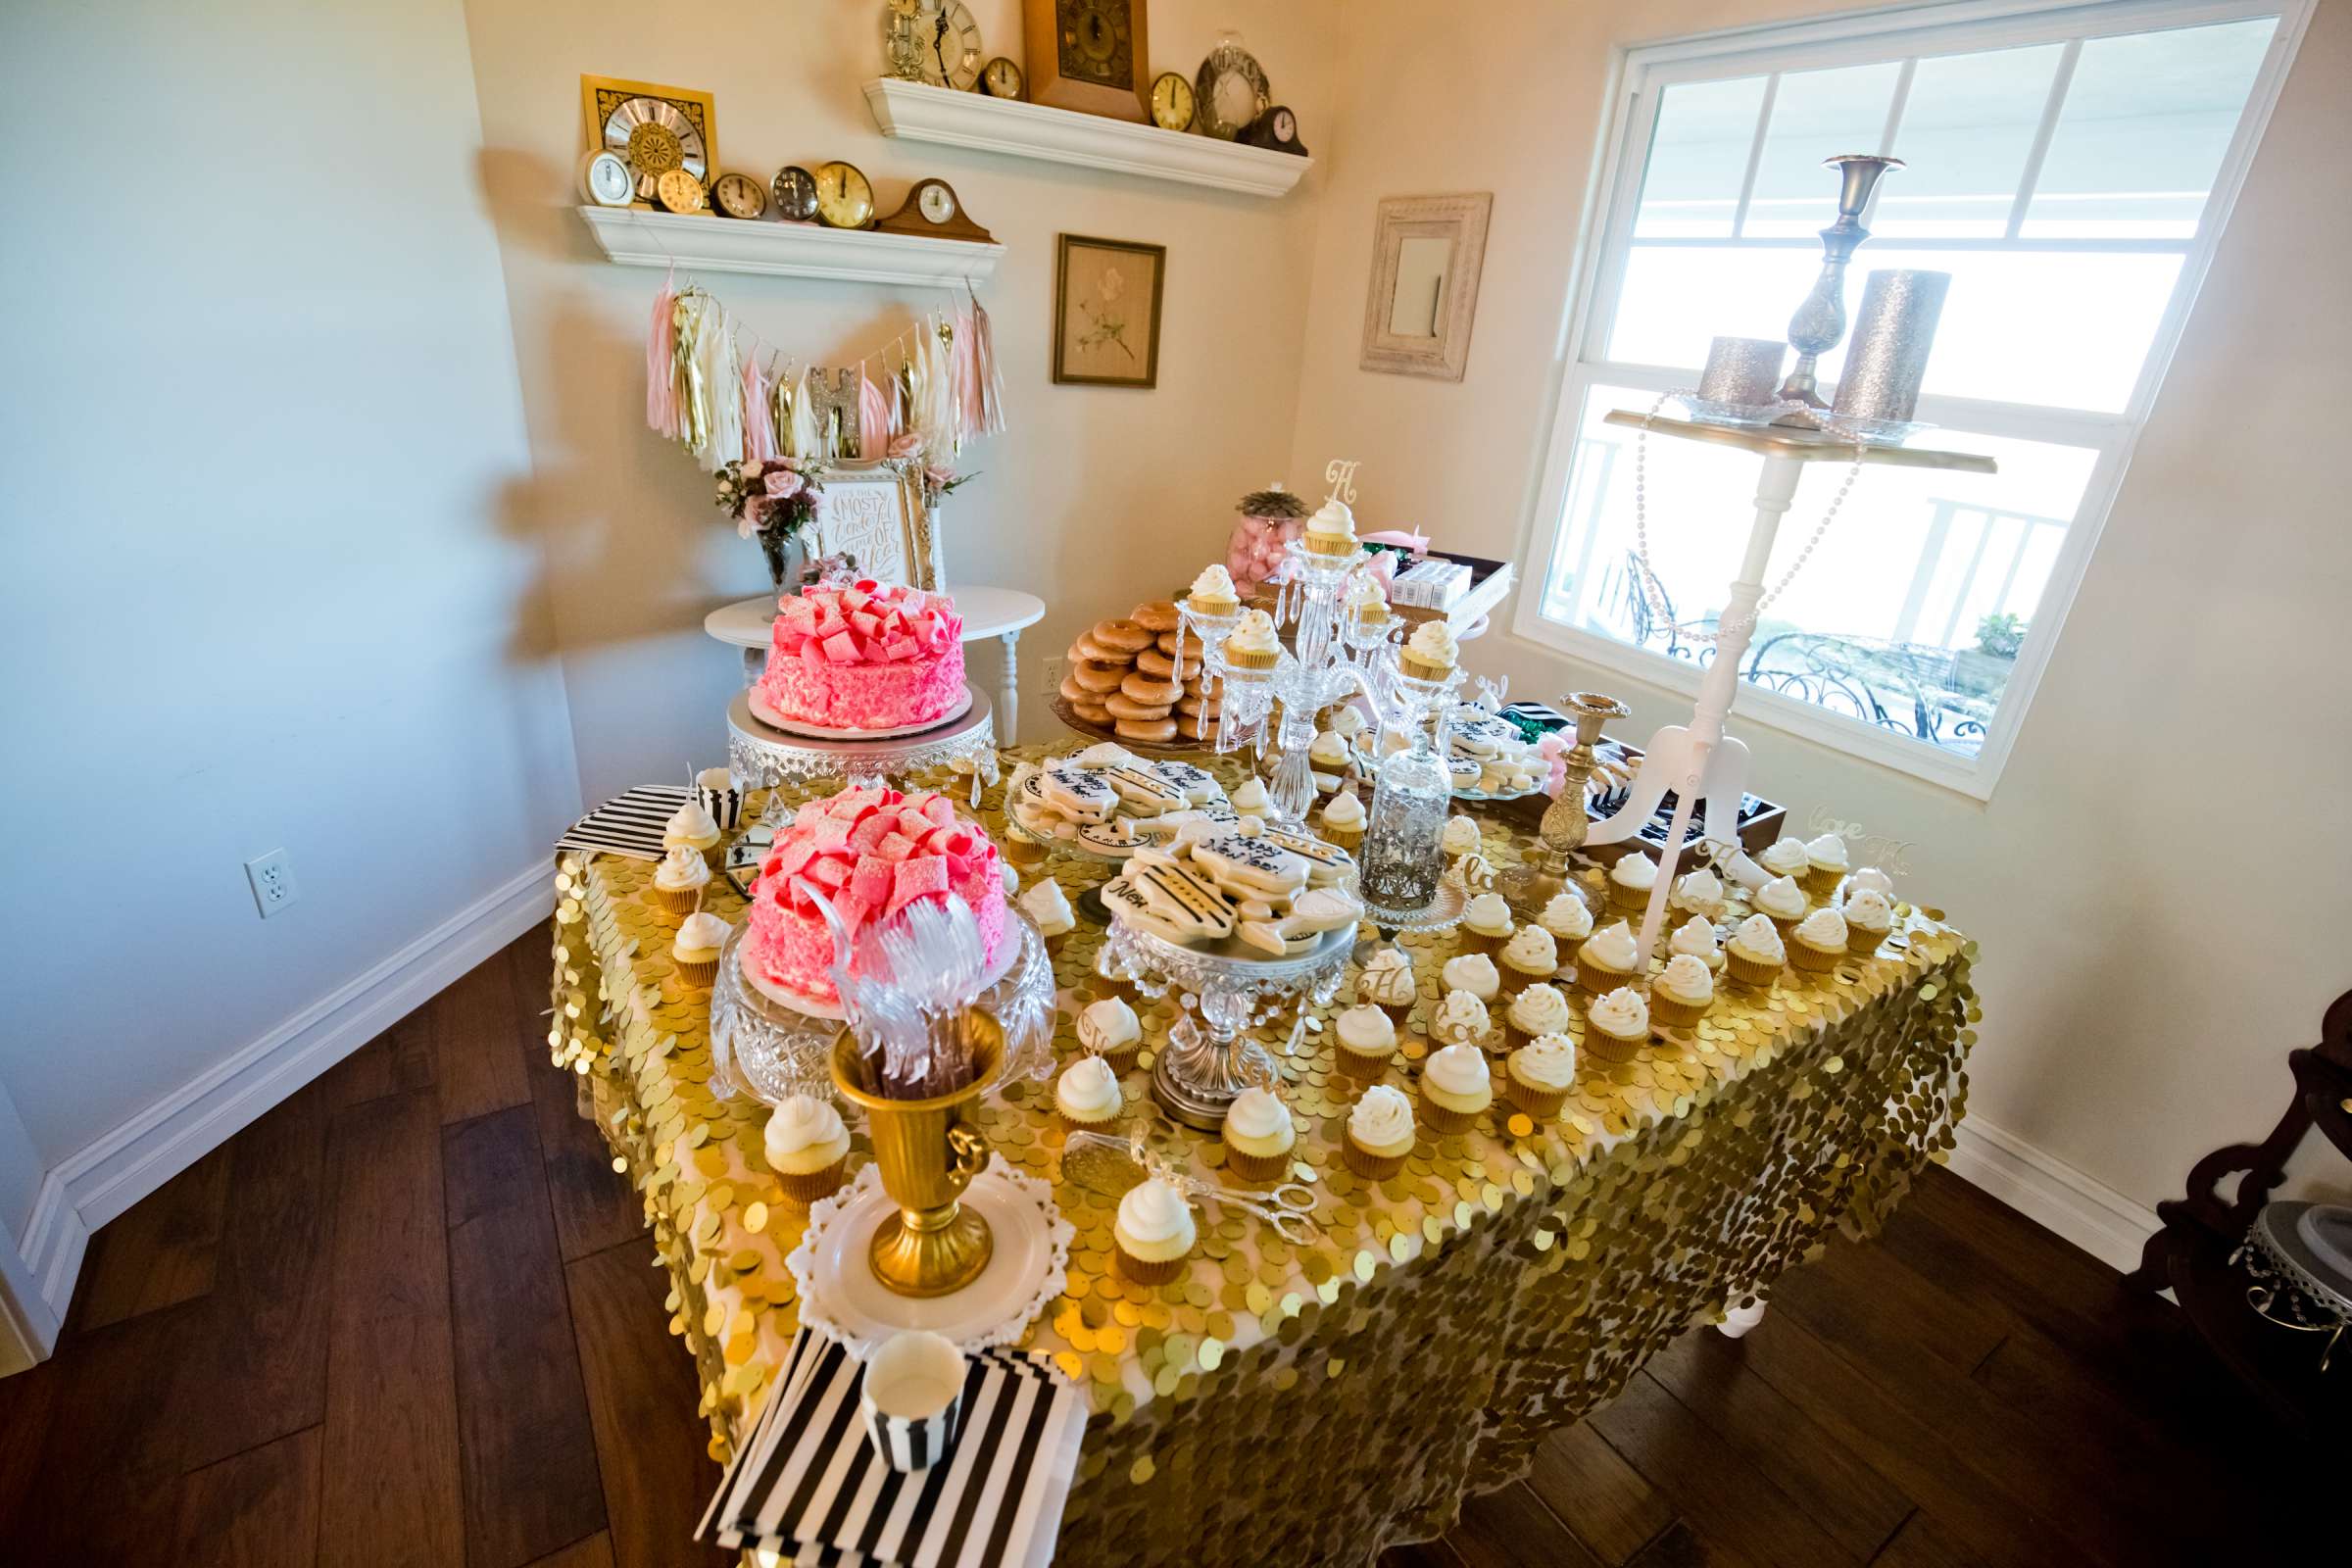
[1654, 596]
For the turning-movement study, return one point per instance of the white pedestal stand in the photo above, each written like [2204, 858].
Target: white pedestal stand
[1697, 760]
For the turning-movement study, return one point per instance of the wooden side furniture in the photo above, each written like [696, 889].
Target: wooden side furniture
[2200, 1231]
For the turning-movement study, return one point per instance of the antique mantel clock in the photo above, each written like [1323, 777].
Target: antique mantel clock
[1088, 55]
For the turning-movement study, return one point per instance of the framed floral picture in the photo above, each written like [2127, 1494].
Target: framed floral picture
[1106, 311]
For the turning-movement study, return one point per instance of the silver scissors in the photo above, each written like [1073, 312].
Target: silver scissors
[1110, 1165]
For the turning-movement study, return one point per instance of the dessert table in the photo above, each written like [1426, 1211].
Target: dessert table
[1305, 1404]
[1000, 613]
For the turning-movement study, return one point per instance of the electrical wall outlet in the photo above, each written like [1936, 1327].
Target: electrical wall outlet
[272, 879]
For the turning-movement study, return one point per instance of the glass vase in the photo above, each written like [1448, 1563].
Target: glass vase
[1402, 860]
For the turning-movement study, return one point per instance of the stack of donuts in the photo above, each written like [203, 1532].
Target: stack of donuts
[1123, 673]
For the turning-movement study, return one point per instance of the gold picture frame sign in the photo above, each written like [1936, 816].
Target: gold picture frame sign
[874, 511]
[601, 95]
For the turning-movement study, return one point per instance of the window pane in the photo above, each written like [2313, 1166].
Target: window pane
[2146, 121]
[1968, 125]
[1816, 115]
[1697, 158]
[1886, 625]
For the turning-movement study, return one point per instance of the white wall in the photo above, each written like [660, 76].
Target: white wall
[1097, 497]
[269, 579]
[2142, 973]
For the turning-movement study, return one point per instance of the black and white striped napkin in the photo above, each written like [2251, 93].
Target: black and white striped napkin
[628, 824]
[809, 1487]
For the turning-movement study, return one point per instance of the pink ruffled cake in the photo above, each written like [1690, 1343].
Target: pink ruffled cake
[872, 853]
[869, 657]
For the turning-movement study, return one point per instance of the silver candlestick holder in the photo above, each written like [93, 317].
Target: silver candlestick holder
[1818, 324]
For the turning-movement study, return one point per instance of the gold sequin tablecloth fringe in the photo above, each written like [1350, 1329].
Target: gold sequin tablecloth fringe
[1284, 1404]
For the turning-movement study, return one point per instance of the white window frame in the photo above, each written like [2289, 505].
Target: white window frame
[1641, 74]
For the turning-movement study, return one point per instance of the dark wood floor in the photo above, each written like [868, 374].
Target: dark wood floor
[411, 1317]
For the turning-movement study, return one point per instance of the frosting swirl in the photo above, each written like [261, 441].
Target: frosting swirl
[1155, 1212]
[1432, 644]
[1699, 891]
[1566, 917]
[1634, 871]
[1328, 750]
[1462, 1016]
[1088, 1089]
[1457, 1070]
[1215, 583]
[1784, 857]
[1871, 879]
[1826, 852]
[1869, 910]
[1108, 1026]
[1549, 1061]
[1345, 812]
[1381, 1119]
[1253, 633]
[1487, 913]
[1388, 978]
[1333, 521]
[680, 868]
[1540, 1010]
[1759, 939]
[1252, 796]
[1823, 928]
[1047, 906]
[699, 933]
[1622, 1012]
[1472, 972]
[1685, 979]
[1781, 896]
[1695, 938]
[1612, 946]
[1460, 835]
[691, 821]
[1256, 1114]
[1531, 951]
[801, 1123]
[1366, 1031]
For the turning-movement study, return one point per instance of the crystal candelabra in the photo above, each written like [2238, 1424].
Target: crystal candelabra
[1565, 821]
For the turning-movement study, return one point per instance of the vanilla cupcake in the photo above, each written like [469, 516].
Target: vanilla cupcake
[1387, 983]
[1109, 1029]
[1252, 650]
[807, 1147]
[695, 951]
[693, 828]
[1213, 594]
[1459, 836]
[1818, 942]
[1378, 1135]
[1617, 1026]
[1782, 902]
[1344, 820]
[1568, 918]
[1631, 879]
[1869, 917]
[1429, 654]
[1366, 1042]
[1462, 1020]
[1259, 1136]
[1153, 1233]
[1331, 531]
[1455, 1087]
[1696, 937]
[678, 881]
[1869, 878]
[1473, 972]
[1087, 1094]
[1540, 1010]
[1607, 959]
[1251, 799]
[1487, 923]
[1756, 954]
[1683, 992]
[1532, 956]
[1786, 857]
[1050, 907]
[1698, 893]
[1825, 864]
[1538, 1076]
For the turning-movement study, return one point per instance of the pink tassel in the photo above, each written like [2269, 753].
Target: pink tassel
[873, 419]
[661, 366]
[965, 376]
[990, 418]
[759, 425]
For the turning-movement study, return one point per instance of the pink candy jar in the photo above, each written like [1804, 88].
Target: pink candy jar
[1270, 519]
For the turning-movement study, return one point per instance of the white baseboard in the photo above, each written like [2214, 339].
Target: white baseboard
[2086, 1212]
[100, 1181]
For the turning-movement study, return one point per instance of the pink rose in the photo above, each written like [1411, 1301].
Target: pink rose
[784, 484]
[937, 475]
[907, 446]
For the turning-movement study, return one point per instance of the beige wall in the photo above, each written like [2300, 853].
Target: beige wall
[2142, 973]
[1097, 497]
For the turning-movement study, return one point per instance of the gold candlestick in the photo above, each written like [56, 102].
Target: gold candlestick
[1564, 823]
[929, 1152]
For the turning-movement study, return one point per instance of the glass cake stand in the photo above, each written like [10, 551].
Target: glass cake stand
[763, 756]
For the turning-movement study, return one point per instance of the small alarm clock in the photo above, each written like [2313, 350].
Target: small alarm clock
[739, 196]
[605, 180]
[1277, 129]
[678, 192]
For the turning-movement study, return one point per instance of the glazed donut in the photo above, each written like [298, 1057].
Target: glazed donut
[1205, 706]
[1098, 677]
[1156, 730]
[1151, 689]
[1157, 616]
[1120, 636]
[1169, 642]
[1093, 652]
[1075, 692]
[1198, 726]
[1092, 712]
[1122, 706]
[1152, 661]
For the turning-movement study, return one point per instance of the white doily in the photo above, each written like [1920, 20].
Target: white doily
[841, 1299]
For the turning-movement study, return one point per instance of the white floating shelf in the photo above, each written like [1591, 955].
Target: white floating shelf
[916, 110]
[637, 238]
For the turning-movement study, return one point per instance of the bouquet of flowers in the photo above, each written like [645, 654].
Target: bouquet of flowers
[773, 501]
[939, 480]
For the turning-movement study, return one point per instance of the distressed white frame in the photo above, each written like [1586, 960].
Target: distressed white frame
[1641, 74]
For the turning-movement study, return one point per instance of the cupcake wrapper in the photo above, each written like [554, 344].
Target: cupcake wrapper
[1820, 883]
[1749, 971]
[1603, 1046]
[1514, 1036]
[1397, 1012]
[1439, 1120]
[699, 973]
[1257, 1167]
[1073, 1124]
[1349, 839]
[1022, 850]
[1594, 980]
[1419, 668]
[1361, 1066]
[1675, 1013]
[807, 1187]
[1480, 942]
[1139, 1272]
[1627, 901]
[1862, 943]
[1372, 1167]
[677, 901]
[1812, 960]
[1540, 1103]
[1786, 928]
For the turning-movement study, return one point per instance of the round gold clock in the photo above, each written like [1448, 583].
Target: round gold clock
[1001, 79]
[678, 191]
[844, 197]
[1172, 102]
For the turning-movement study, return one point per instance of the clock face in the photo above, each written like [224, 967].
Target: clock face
[948, 40]
[678, 191]
[1172, 103]
[658, 134]
[739, 196]
[936, 203]
[843, 199]
[1231, 91]
[1001, 79]
[606, 181]
[796, 193]
[1097, 39]
[1285, 127]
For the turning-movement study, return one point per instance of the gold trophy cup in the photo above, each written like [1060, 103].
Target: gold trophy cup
[929, 1150]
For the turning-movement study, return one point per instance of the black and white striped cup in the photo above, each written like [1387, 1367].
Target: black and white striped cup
[721, 796]
[912, 1392]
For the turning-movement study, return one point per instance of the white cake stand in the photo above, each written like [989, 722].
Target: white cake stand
[765, 755]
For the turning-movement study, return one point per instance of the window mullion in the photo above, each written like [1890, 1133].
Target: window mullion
[1894, 124]
[1755, 153]
[2060, 80]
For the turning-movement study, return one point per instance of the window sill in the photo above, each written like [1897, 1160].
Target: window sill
[1971, 777]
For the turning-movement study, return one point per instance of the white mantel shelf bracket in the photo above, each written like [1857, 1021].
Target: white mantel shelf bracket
[915, 111]
[706, 244]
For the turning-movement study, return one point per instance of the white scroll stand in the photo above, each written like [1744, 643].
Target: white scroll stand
[1697, 760]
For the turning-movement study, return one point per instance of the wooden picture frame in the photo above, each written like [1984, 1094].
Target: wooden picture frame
[1431, 248]
[1043, 33]
[873, 508]
[1093, 317]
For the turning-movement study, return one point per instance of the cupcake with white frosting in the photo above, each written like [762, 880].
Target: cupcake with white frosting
[1698, 893]
[1786, 857]
[1153, 1233]
[1378, 1135]
[695, 951]
[1682, 993]
[1259, 1136]
[1086, 1095]
[1387, 982]
[1429, 654]
[693, 828]
[1213, 594]
[1531, 958]
[1251, 799]
[1818, 942]
[1568, 918]
[1108, 1028]
[1872, 878]
[1048, 908]
[1607, 959]
[1486, 924]
[1455, 1086]
[1617, 1026]
[807, 1147]
[1366, 1039]
[1462, 1020]
[1251, 648]
[678, 881]
[1473, 972]
[1630, 881]
[1781, 901]
[1825, 864]
[1695, 938]
[1540, 1010]
[1869, 918]
[1538, 1076]
[1459, 836]
[1755, 954]
[1344, 820]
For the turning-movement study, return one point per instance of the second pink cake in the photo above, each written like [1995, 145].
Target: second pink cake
[869, 657]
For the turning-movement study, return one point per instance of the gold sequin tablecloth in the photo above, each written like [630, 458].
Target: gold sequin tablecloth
[1287, 1405]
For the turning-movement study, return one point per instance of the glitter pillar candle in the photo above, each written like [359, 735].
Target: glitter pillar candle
[1743, 372]
[1887, 358]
